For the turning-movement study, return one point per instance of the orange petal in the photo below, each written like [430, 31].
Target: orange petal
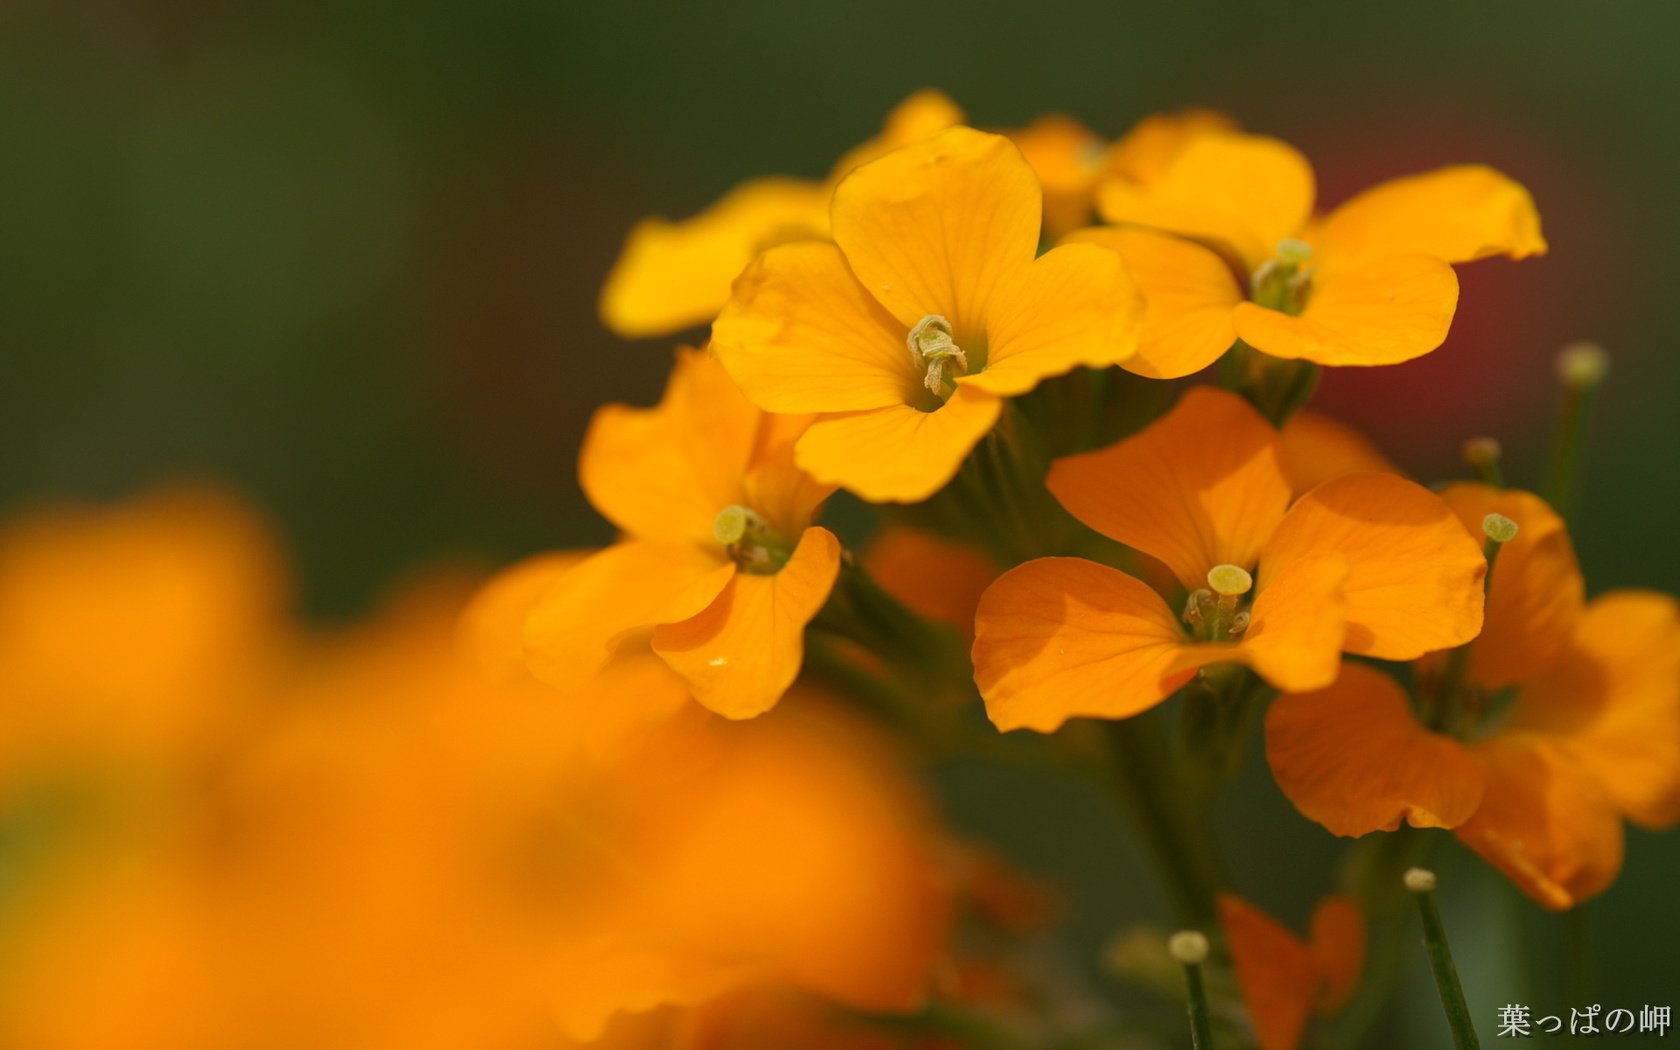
[1545, 822]
[939, 226]
[1355, 759]
[740, 654]
[1383, 312]
[1455, 214]
[1202, 486]
[1189, 293]
[1317, 449]
[1068, 159]
[933, 577]
[663, 473]
[801, 335]
[1274, 971]
[1074, 306]
[1058, 638]
[492, 626]
[1414, 577]
[1337, 946]
[1247, 192]
[921, 116]
[898, 454]
[1613, 702]
[675, 275]
[1535, 597]
[611, 599]
[1144, 153]
[1294, 640]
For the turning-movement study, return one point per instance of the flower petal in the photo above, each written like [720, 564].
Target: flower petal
[1200, 487]
[1457, 214]
[939, 226]
[1294, 639]
[1337, 945]
[1535, 597]
[1144, 153]
[1414, 577]
[897, 454]
[1355, 759]
[1068, 159]
[801, 335]
[921, 116]
[1189, 293]
[1613, 701]
[1074, 306]
[610, 599]
[1247, 192]
[1544, 821]
[1058, 638]
[491, 630]
[663, 473]
[675, 275]
[1274, 971]
[743, 651]
[1317, 449]
[933, 577]
[1383, 312]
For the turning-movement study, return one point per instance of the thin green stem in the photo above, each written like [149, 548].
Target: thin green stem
[1422, 885]
[1201, 1029]
[1577, 955]
[1178, 837]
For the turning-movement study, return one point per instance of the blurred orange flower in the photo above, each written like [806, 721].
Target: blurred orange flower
[1286, 981]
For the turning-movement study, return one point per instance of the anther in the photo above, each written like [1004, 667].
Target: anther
[932, 346]
[1229, 581]
[1582, 366]
[1239, 623]
[1293, 253]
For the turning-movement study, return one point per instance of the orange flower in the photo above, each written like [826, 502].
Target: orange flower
[1367, 563]
[675, 275]
[907, 333]
[933, 577]
[720, 567]
[1284, 981]
[1540, 788]
[1369, 284]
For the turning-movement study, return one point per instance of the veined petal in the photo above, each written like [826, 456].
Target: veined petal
[1317, 449]
[1337, 944]
[940, 226]
[898, 454]
[1073, 306]
[675, 275]
[1544, 821]
[1294, 639]
[1245, 191]
[1274, 971]
[612, 598]
[1382, 312]
[1200, 487]
[491, 629]
[1059, 638]
[801, 335]
[1355, 759]
[1414, 576]
[921, 116]
[663, 473]
[1535, 597]
[740, 654]
[1144, 153]
[1613, 702]
[1188, 291]
[1457, 214]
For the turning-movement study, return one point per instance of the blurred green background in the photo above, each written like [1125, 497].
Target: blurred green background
[343, 256]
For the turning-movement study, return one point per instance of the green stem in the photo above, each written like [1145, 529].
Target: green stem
[1201, 1029]
[1564, 471]
[1179, 839]
[1441, 961]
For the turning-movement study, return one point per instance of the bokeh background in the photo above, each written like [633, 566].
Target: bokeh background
[344, 256]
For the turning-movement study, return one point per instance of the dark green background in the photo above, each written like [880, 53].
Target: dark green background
[343, 256]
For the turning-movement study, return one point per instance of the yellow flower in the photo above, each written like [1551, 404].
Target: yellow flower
[1225, 246]
[1367, 563]
[906, 334]
[675, 275]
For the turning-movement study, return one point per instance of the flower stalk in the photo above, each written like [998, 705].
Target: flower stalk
[1421, 882]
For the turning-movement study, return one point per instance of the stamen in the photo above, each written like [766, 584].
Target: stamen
[933, 347]
[751, 542]
[1499, 528]
[1293, 253]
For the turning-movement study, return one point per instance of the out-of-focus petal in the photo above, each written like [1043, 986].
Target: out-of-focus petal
[492, 626]
[1068, 159]
[920, 116]
[1144, 153]
[1274, 971]
[933, 577]
[1382, 312]
[1317, 449]
[1337, 944]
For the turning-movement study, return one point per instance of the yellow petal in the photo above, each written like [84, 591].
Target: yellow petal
[921, 116]
[801, 335]
[1059, 638]
[1317, 449]
[1189, 293]
[1545, 822]
[675, 275]
[1383, 312]
[1074, 306]
[1337, 945]
[1202, 486]
[1355, 759]
[898, 454]
[663, 473]
[1535, 597]
[1247, 192]
[1144, 153]
[940, 226]
[1457, 214]
[492, 626]
[1068, 159]
[613, 598]
[1613, 702]
[1274, 971]
[740, 654]
[1414, 576]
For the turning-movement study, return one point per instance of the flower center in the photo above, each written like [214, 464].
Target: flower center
[1281, 283]
[934, 350]
[1212, 611]
[752, 544]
